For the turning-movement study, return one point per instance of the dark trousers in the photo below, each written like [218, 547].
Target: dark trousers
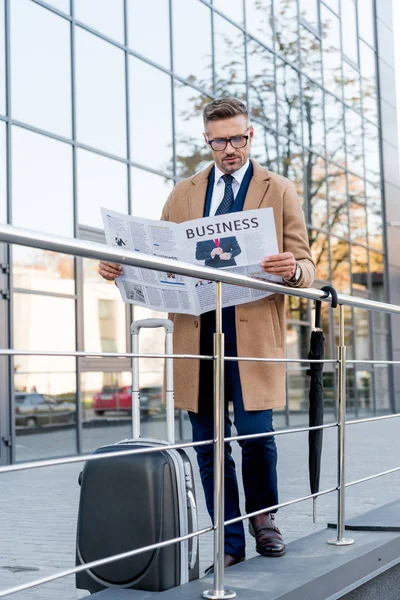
[259, 456]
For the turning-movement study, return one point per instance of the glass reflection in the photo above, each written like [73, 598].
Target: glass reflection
[42, 183]
[3, 178]
[351, 400]
[368, 81]
[375, 217]
[376, 266]
[100, 94]
[361, 327]
[364, 391]
[330, 29]
[149, 193]
[2, 62]
[42, 75]
[372, 154]
[309, 12]
[230, 73]
[338, 208]
[232, 8]
[191, 151]
[311, 58]
[333, 4]
[101, 182]
[43, 270]
[291, 164]
[63, 5]
[195, 66]
[340, 257]
[286, 35]
[320, 251]
[359, 268]
[382, 389]
[313, 116]
[317, 207]
[354, 141]
[264, 148]
[349, 31]
[334, 130]
[358, 216]
[366, 21]
[156, 46]
[288, 97]
[261, 81]
[106, 16]
[150, 128]
[104, 314]
[351, 86]
[259, 20]
[297, 309]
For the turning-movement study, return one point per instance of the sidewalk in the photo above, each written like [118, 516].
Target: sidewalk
[38, 508]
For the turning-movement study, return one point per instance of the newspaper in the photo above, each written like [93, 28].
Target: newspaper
[233, 241]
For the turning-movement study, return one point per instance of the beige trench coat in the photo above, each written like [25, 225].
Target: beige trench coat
[260, 325]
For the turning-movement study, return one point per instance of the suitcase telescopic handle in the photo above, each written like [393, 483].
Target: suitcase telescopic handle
[136, 326]
[195, 526]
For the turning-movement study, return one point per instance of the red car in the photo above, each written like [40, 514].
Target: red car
[112, 399]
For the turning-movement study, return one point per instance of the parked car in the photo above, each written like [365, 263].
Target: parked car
[36, 410]
[112, 399]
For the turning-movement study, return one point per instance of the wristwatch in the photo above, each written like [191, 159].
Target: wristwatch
[297, 274]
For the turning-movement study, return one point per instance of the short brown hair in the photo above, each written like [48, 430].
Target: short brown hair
[224, 108]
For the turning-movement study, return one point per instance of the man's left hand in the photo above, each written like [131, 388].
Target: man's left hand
[283, 264]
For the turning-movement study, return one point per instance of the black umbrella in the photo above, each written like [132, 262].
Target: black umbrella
[316, 398]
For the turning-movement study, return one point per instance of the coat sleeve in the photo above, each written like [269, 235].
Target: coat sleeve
[235, 248]
[295, 237]
[201, 252]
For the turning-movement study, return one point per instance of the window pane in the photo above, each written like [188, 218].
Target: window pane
[100, 94]
[320, 251]
[2, 62]
[359, 268]
[351, 86]
[376, 266]
[101, 182]
[104, 312]
[316, 202]
[42, 183]
[40, 67]
[382, 387]
[339, 217]
[313, 116]
[354, 142]
[331, 49]
[149, 193]
[259, 20]
[358, 215]
[286, 35]
[364, 385]
[375, 218]
[264, 148]
[340, 265]
[372, 154]
[288, 92]
[333, 4]
[196, 65]
[366, 21]
[309, 12]
[349, 31]
[150, 123]
[156, 46]
[43, 270]
[291, 164]
[232, 8]
[261, 80]
[63, 5]
[191, 151]
[311, 59]
[297, 309]
[229, 73]
[334, 130]
[361, 324]
[368, 81]
[3, 178]
[106, 16]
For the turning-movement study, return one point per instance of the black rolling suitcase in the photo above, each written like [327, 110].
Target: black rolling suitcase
[128, 502]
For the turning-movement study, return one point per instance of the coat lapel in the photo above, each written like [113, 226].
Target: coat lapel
[258, 187]
[197, 193]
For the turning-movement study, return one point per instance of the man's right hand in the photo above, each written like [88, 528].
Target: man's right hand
[110, 271]
[216, 251]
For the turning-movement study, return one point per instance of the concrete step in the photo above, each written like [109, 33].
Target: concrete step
[311, 569]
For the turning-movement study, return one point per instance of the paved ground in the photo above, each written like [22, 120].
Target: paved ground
[38, 508]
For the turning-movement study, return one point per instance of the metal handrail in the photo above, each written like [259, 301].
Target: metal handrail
[64, 245]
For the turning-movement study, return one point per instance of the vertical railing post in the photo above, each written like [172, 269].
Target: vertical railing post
[219, 457]
[340, 539]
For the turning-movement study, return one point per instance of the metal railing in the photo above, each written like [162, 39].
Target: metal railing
[92, 250]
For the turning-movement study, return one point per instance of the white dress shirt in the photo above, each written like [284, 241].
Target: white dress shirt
[219, 186]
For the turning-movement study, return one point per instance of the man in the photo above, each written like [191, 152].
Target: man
[256, 329]
[218, 253]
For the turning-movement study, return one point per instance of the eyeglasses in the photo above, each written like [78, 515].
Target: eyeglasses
[238, 141]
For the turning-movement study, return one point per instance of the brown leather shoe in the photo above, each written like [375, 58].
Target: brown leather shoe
[269, 541]
[229, 561]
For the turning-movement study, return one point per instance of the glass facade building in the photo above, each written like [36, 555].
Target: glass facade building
[100, 105]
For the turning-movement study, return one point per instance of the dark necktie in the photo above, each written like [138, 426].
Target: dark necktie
[228, 199]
